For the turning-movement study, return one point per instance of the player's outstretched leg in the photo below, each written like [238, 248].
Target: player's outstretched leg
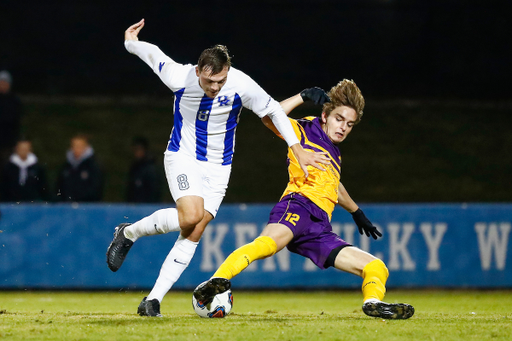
[392, 311]
[206, 291]
[119, 248]
[149, 308]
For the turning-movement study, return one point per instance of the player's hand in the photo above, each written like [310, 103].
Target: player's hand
[316, 95]
[133, 31]
[364, 225]
[306, 158]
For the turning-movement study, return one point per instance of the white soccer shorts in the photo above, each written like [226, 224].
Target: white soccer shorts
[189, 176]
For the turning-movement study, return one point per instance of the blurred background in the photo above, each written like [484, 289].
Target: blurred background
[435, 75]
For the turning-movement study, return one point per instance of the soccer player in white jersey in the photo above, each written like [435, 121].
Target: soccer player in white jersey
[208, 100]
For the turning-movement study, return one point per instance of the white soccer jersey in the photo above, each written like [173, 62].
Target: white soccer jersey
[204, 127]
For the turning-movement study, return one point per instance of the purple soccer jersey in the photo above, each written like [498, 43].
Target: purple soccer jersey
[312, 232]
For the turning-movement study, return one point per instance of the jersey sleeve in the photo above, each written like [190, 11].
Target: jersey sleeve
[170, 73]
[258, 101]
[255, 98]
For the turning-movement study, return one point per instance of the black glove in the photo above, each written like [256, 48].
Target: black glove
[317, 95]
[363, 224]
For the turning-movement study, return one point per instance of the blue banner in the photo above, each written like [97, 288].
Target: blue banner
[60, 246]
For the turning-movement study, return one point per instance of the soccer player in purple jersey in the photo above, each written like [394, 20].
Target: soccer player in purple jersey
[301, 219]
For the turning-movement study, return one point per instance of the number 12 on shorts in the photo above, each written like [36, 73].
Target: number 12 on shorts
[292, 218]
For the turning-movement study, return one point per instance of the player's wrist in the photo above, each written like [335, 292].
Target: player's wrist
[357, 212]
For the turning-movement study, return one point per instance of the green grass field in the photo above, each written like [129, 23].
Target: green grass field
[440, 315]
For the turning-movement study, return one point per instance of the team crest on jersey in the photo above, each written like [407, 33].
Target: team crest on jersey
[223, 100]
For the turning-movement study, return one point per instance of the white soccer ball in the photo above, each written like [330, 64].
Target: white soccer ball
[219, 307]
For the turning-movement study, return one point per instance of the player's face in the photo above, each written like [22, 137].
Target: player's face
[339, 123]
[211, 84]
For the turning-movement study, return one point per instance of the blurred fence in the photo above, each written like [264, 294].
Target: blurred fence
[424, 245]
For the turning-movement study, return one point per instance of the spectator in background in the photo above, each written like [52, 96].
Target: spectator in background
[80, 178]
[23, 178]
[10, 117]
[143, 179]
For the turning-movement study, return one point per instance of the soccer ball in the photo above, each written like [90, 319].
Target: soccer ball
[219, 307]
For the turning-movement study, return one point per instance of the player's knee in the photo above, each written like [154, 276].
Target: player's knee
[191, 218]
[267, 244]
[376, 268]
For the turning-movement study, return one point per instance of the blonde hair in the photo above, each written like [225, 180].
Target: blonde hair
[348, 94]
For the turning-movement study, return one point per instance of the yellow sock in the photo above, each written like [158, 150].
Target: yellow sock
[239, 259]
[375, 275]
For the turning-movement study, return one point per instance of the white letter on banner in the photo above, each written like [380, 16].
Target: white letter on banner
[241, 231]
[348, 232]
[212, 247]
[309, 265]
[397, 246]
[336, 228]
[493, 241]
[433, 243]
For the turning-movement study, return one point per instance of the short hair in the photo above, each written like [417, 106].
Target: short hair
[348, 94]
[215, 58]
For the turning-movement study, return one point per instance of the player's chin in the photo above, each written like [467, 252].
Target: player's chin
[338, 138]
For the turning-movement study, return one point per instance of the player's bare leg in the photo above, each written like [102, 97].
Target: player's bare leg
[375, 274]
[190, 213]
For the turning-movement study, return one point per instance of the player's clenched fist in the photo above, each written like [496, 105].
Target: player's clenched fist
[133, 31]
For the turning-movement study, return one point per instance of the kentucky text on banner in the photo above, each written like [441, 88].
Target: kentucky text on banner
[424, 245]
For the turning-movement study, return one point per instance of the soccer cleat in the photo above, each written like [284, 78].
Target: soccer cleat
[119, 248]
[149, 308]
[205, 292]
[393, 311]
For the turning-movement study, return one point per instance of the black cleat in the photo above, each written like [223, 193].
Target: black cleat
[149, 308]
[206, 291]
[392, 311]
[119, 248]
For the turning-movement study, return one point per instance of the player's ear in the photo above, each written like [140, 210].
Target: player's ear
[324, 117]
[197, 71]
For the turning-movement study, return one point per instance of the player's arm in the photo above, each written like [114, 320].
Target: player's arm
[284, 128]
[316, 95]
[149, 53]
[257, 100]
[345, 201]
[364, 225]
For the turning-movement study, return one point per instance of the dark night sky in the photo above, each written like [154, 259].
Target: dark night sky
[442, 49]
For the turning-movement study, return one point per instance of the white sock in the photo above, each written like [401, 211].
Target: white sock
[176, 262]
[371, 300]
[160, 222]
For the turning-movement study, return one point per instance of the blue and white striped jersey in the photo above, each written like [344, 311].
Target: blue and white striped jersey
[204, 127]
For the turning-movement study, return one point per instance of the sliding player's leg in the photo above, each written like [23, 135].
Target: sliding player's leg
[290, 218]
[273, 239]
[375, 274]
